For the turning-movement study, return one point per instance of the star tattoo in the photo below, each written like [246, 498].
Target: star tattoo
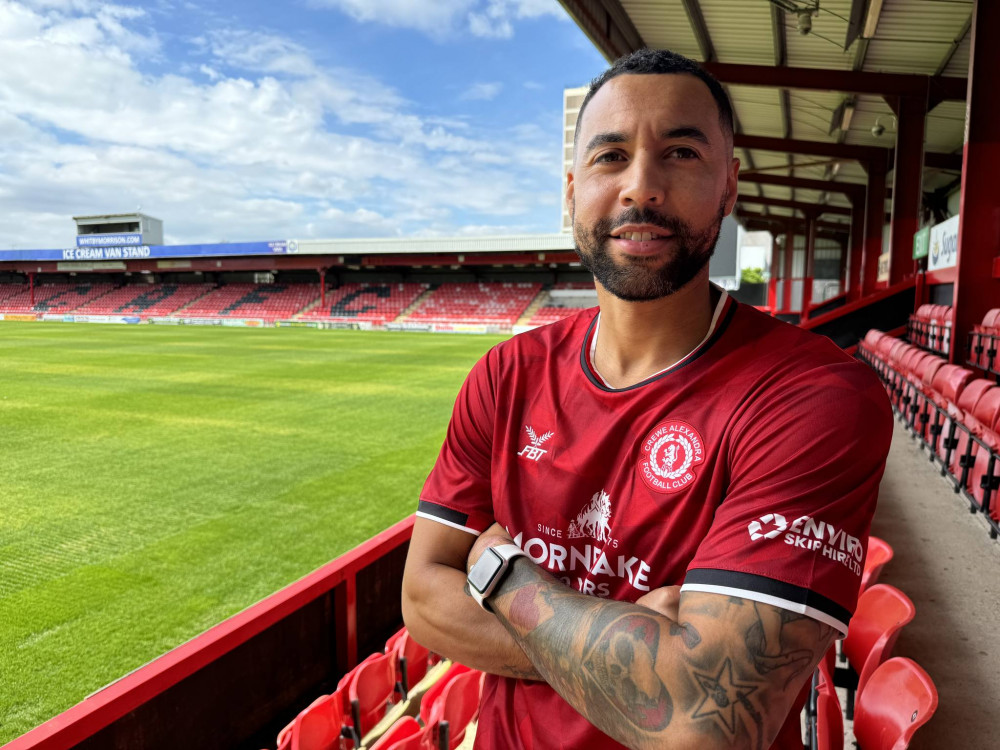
[721, 694]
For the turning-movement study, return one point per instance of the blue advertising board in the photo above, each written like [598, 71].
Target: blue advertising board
[133, 252]
[108, 240]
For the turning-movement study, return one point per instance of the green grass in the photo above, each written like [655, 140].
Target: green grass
[156, 480]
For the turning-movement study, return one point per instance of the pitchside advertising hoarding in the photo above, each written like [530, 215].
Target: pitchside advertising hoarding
[132, 252]
[943, 245]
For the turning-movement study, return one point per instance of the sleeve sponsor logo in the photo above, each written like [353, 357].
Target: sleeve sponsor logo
[670, 455]
[811, 534]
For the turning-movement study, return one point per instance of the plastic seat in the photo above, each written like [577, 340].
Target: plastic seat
[371, 691]
[829, 719]
[432, 696]
[318, 727]
[985, 420]
[899, 699]
[881, 613]
[956, 410]
[405, 733]
[456, 708]
[412, 660]
[879, 553]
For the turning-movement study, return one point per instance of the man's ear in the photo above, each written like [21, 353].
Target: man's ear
[570, 192]
[732, 185]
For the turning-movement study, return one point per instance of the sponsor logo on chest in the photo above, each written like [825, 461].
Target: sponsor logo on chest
[586, 557]
[670, 456]
[533, 450]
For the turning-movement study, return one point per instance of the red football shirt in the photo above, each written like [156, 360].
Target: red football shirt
[750, 468]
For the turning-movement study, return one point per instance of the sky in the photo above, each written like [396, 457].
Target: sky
[248, 120]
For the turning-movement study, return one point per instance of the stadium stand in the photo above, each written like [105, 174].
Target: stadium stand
[572, 296]
[145, 300]
[264, 301]
[955, 415]
[379, 303]
[930, 327]
[499, 303]
[355, 714]
[53, 298]
[983, 342]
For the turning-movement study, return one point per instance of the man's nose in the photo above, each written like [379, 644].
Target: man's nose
[644, 184]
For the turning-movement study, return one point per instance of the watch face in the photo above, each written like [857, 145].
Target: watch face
[485, 570]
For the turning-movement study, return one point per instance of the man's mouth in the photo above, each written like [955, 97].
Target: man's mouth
[639, 236]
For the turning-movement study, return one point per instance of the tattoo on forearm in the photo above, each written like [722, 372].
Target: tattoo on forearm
[687, 633]
[622, 666]
[634, 673]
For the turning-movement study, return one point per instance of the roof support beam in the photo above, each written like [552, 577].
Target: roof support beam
[700, 29]
[833, 226]
[932, 159]
[606, 24]
[816, 148]
[847, 188]
[848, 81]
[805, 208]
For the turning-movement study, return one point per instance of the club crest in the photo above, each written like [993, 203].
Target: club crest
[670, 455]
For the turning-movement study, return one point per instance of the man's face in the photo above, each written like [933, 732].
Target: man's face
[652, 179]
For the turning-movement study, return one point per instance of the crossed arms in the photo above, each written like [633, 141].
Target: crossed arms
[723, 674]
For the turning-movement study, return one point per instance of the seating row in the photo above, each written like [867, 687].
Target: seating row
[954, 414]
[889, 699]
[930, 327]
[379, 303]
[982, 343]
[145, 300]
[498, 303]
[50, 298]
[402, 698]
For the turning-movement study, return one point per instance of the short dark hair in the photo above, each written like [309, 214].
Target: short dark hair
[648, 61]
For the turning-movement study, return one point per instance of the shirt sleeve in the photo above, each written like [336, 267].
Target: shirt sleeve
[805, 465]
[457, 492]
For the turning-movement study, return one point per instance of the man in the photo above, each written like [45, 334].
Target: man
[672, 437]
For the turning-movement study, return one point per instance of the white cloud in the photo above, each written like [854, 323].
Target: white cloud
[257, 141]
[482, 91]
[442, 18]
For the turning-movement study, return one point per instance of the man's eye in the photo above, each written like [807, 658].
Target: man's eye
[684, 153]
[608, 156]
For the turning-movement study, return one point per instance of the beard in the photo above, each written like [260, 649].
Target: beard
[636, 279]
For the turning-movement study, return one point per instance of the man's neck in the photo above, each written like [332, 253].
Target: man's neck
[639, 339]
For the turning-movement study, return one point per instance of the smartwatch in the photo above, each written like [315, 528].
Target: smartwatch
[489, 570]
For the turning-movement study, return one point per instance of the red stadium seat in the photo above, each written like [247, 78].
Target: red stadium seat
[879, 553]
[433, 694]
[405, 728]
[881, 613]
[412, 659]
[829, 719]
[456, 708]
[899, 699]
[982, 424]
[371, 691]
[318, 727]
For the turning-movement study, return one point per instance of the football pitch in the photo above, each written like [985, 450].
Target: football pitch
[155, 480]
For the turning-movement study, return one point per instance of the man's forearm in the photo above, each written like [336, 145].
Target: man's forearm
[446, 620]
[724, 675]
[597, 654]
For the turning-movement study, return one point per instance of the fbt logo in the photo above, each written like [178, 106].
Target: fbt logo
[809, 533]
